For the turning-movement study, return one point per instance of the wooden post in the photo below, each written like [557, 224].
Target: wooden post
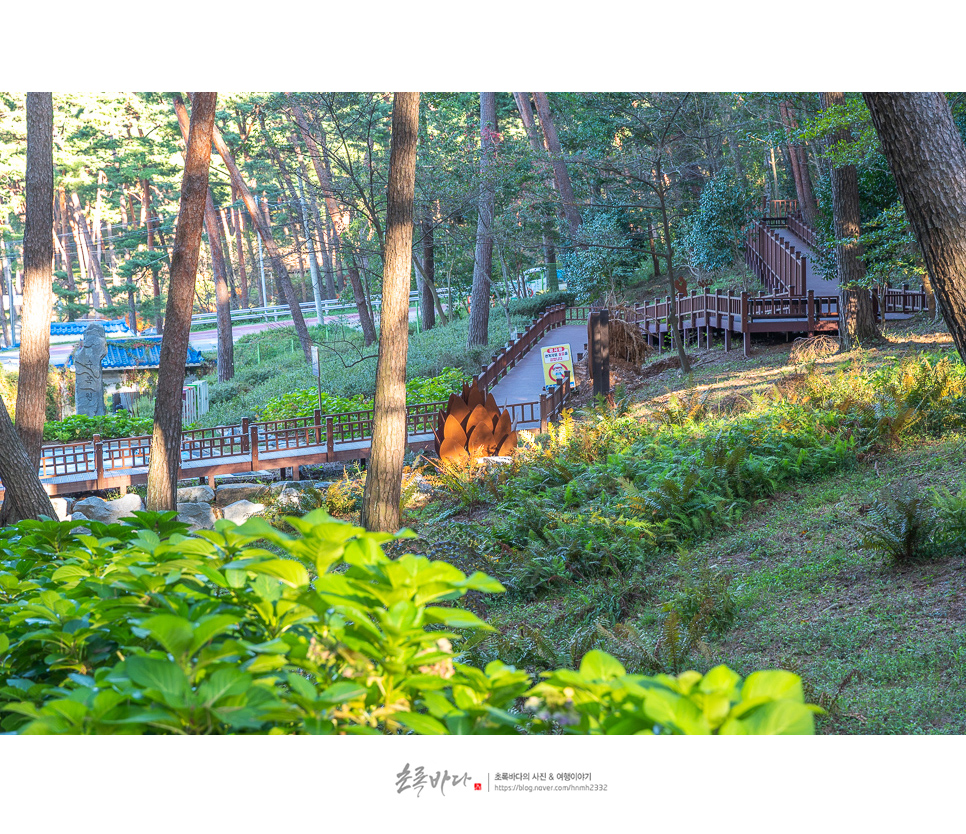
[329, 437]
[745, 323]
[253, 441]
[544, 421]
[244, 436]
[810, 312]
[99, 460]
[600, 354]
[318, 426]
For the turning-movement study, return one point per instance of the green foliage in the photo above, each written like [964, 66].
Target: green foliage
[602, 699]
[951, 512]
[303, 401]
[343, 498]
[901, 523]
[138, 628]
[82, 427]
[714, 236]
[531, 308]
[606, 265]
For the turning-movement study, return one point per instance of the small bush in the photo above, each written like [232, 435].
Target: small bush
[82, 427]
[532, 307]
[901, 523]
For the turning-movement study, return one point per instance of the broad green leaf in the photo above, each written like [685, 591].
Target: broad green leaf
[173, 632]
[162, 675]
[598, 665]
[343, 692]
[424, 725]
[290, 572]
[775, 718]
[774, 684]
[720, 679]
[69, 573]
[456, 618]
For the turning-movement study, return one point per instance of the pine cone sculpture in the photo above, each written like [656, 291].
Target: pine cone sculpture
[473, 427]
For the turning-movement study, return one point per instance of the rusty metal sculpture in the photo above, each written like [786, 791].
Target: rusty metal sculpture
[473, 427]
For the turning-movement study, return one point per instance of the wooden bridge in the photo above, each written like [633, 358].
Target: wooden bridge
[251, 446]
[780, 251]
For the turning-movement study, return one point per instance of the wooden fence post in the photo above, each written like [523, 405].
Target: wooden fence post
[99, 460]
[810, 312]
[317, 414]
[544, 420]
[329, 437]
[253, 441]
[244, 436]
[745, 323]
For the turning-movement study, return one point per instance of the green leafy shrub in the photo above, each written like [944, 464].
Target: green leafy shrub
[82, 427]
[303, 401]
[602, 699]
[533, 307]
[138, 628]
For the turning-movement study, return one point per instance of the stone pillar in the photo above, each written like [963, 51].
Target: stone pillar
[88, 374]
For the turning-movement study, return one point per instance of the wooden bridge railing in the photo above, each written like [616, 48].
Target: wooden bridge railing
[778, 208]
[99, 463]
[777, 263]
[798, 226]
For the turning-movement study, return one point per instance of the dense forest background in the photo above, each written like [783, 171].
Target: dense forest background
[318, 165]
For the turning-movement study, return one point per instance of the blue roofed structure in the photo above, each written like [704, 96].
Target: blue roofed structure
[140, 353]
[77, 328]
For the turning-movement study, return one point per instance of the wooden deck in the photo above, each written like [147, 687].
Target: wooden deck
[803, 301]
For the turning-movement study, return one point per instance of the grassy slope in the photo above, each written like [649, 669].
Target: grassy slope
[880, 646]
[270, 363]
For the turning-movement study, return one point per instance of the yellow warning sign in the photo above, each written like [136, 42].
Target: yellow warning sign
[556, 360]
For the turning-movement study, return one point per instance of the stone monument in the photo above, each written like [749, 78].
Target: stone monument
[88, 373]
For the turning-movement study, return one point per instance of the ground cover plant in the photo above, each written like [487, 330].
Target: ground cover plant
[710, 526]
[136, 628]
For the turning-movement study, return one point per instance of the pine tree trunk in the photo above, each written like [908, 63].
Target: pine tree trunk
[242, 273]
[539, 148]
[38, 255]
[96, 275]
[24, 495]
[359, 294]
[166, 440]
[226, 348]
[426, 299]
[856, 310]
[924, 149]
[803, 181]
[320, 161]
[28, 499]
[560, 173]
[265, 232]
[483, 259]
[383, 490]
[11, 291]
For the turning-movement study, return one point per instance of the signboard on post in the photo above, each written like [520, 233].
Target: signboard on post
[557, 359]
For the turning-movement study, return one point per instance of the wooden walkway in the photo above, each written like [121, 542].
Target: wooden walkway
[803, 300]
[98, 464]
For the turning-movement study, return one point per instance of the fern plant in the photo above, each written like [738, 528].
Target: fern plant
[901, 524]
